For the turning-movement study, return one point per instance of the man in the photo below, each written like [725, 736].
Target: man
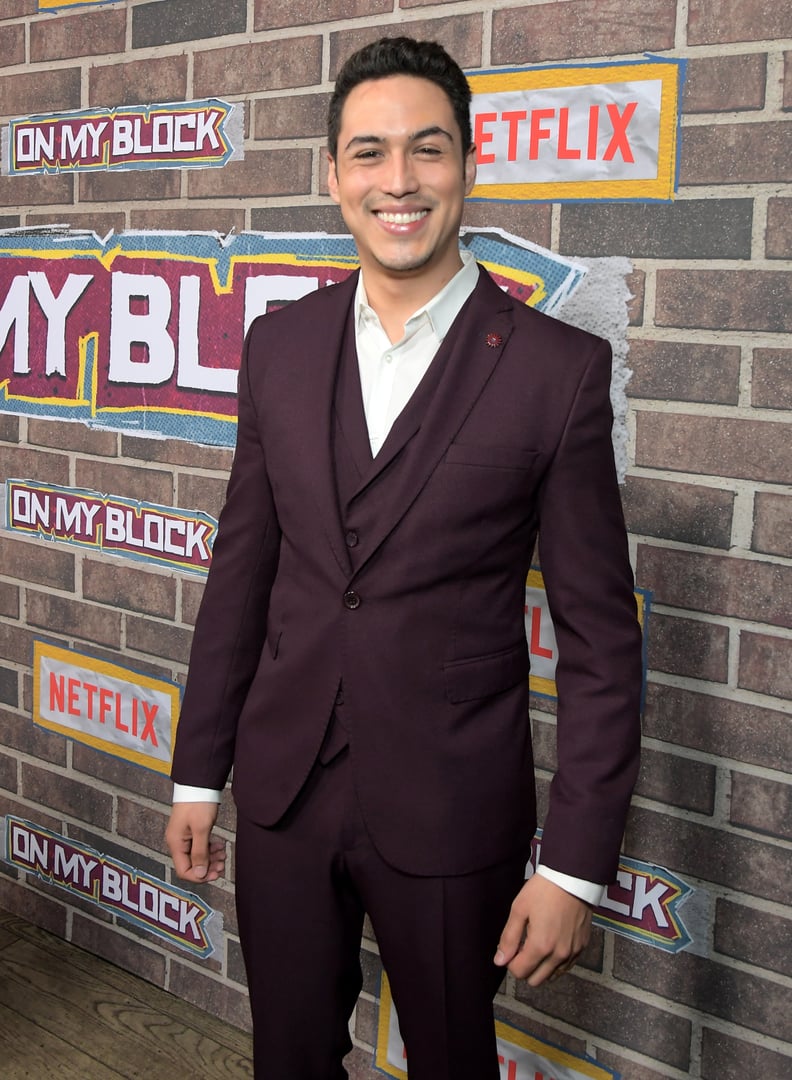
[360, 653]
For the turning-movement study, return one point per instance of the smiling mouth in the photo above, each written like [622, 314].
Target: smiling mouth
[401, 218]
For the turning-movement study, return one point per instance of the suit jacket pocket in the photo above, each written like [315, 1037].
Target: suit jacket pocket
[483, 676]
[493, 457]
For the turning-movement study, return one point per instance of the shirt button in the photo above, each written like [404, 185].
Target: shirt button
[352, 538]
[351, 600]
[388, 358]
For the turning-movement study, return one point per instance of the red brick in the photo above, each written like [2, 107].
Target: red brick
[724, 1055]
[625, 1067]
[12, 44]
[35, 190]
[725, 83]
[273, 14]
[677, 781]
[23, 464]
[716, 446]
[177, 452]
[16, 643]
[771, 383]
[9, 428]
[753, 936]
[761, 805]
[44, 90]
[207, 993]
[737, 153]
[79, 437]
[84, 621]
[91, 34]
[22, 734]
[725, 299]
[718, 584]
[260, 65]
[531, 220]
[121, 774]
[325, 218]
[684, 371]
[706, 852]
[127, 953]
[99, 223]
[123, 187]
[12, 9]
[37, 561]
[141, 824]
[719, 726]
[772, 524]
[140, 82]
[689, 647]
[82, 801]
[295, 116]
[8, 773]
[705, 985]
[206, 493]
[192, 593]
[766, 664]
[130, 588]
[28, 902]
[186, 20]
[158, 639]
[718, 21]
[462, 36]
[133, 482]
[603, 1011]
[223, 219]
[262, 173]
[581, 28]
[9, 599]
[9, 686]
[674, 510]
[779, 228]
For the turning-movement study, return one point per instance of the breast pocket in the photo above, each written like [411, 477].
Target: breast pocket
[492, 457]
[484, 676]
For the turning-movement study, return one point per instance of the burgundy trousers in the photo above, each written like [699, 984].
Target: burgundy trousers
[303, 888]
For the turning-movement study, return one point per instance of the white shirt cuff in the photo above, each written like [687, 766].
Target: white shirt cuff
[185, 793]
[587, 891]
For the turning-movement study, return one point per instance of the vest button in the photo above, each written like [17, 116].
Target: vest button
[352, 538]
[351, 600]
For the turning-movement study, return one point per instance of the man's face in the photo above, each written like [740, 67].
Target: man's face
[400, 178]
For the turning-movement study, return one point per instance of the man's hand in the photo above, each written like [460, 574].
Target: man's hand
[197, 856]
[548, 928]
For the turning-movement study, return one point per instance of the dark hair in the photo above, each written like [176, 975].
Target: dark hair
[401, 56]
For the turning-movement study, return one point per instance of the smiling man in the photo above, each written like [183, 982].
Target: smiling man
[360, 655]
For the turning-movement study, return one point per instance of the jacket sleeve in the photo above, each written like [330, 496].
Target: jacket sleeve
[231, 626]
[589, 582]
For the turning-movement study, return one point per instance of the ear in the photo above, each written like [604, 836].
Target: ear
[332, 179]
[470, 170]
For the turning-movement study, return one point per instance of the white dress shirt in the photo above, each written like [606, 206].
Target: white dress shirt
[389, 375]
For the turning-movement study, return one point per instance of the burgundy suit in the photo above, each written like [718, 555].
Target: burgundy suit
[396, 586]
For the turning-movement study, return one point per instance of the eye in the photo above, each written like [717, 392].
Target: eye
[367, 155]
[430, 151]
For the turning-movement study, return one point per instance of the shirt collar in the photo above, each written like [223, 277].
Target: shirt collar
[442, 309]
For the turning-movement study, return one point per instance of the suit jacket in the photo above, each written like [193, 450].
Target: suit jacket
[424, 621]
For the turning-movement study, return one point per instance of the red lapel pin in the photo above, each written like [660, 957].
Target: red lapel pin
[494, 340]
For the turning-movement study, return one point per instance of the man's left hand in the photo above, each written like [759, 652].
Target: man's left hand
[548, 928]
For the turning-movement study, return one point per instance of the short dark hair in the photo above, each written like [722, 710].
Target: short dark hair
[401, 56]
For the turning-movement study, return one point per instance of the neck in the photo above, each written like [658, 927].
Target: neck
[395, 298]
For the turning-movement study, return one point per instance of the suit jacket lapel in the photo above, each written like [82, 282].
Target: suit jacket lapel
[318, 390]
[474, 343]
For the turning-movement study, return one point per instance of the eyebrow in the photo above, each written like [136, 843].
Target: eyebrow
[416, 136]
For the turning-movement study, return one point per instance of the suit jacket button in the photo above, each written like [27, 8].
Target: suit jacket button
[352, 538]
[351, 600]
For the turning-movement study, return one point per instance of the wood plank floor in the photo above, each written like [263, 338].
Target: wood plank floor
[67, 1014]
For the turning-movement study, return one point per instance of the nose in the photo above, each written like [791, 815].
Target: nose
[401, 178]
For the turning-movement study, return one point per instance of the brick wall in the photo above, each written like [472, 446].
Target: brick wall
[708, 496]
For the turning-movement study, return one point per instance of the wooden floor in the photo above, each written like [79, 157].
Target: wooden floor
[67, 1015]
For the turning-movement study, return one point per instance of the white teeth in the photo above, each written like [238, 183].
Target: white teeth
[402, 219]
